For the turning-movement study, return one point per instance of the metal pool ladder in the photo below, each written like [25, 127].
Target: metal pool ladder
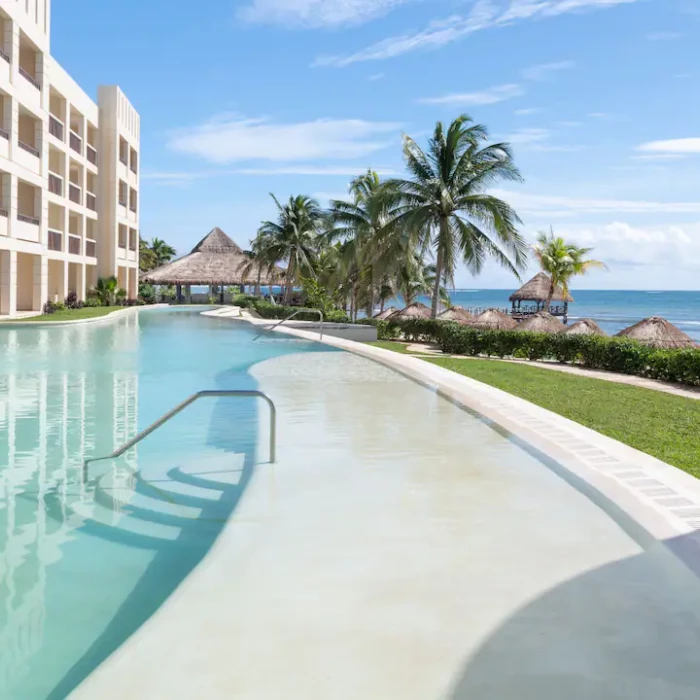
[291, 316]
[215, 393]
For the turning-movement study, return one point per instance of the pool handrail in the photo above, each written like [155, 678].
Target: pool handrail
[210, 393]
[291, 316]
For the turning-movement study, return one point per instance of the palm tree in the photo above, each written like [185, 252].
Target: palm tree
[562, 261]
[292, 239]
[107, 290]
[367, 226]
[147, 259]
[445, 205]
[162, 252]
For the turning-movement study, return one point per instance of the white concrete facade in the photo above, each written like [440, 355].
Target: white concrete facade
[65, 162]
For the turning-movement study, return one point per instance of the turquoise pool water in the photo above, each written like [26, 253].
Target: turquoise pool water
[84, 563]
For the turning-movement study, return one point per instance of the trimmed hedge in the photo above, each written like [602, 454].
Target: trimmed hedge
[619, 355]
[274, 311]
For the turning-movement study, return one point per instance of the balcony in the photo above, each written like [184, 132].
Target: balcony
[75, 194]
[122, 240]
[30, 149]
[76, 143]
[74, 245]
[56, 184]
[90, 248]
[28, 219]
[55, 240]
[132, 206]
[56, 127]
[4, 55]
[134, 163]
[4, 212]
[132, 243]
[5, 134]
[91, 201]
[122, 199]
[91, 154]
[29, 78]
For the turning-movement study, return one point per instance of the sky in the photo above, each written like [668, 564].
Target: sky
[240, 98]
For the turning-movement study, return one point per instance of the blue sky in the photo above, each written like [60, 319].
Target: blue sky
[598, 97]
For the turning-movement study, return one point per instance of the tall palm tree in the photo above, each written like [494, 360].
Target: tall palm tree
[562, 261]
[366, 225]
[292, 239]
[446, 207]
[147, 259]
[162, 252]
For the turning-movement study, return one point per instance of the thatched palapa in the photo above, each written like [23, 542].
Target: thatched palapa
[542, 322]
[585, 327]
[659, 333]
[215, 260]
[383, 315]
[537, 289]
[456, 313]
[415, 310]
[494, 320]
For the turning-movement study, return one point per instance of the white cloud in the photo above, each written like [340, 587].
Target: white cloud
[681, 146]
[490, 96]
[376, 76]
[485, 14]
[543, 71]
[229, 139]
[569, 124]
[528, 136]
[181, 178]
[528, 111]
[536, 140]
[316, 13]
[552, 205]
[661, 156]
[664, 36]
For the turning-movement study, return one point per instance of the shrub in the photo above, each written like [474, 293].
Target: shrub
[92, 302]
[273, 311]
[147, 293]
[245, 301]
[51, 307]
[72, 301]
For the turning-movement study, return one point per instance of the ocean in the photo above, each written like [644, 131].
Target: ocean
[611, 310]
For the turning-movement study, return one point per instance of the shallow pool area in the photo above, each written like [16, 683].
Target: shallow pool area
[401, 547]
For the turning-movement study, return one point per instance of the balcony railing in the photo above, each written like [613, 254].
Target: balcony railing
[30, 78]
[5, 55]
[132, 244]
[76, 143]
[134, 163]
[28, 219]
[91, 154]
[75, 193]
[132, 206]
[122, 240]
[74, 245]
[5, 134]
[123, 158]
[55, 240]
[56, 184]
[4, 212]
[56, 127]
[30, 149]
[90, 248]
[91, 201]
[122, 199]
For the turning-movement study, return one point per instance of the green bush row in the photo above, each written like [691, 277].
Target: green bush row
[611, 354]
[274, 311]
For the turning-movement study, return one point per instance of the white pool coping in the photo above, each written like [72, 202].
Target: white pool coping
[662, 500]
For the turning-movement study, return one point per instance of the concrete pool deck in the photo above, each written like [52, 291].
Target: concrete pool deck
[365, 564]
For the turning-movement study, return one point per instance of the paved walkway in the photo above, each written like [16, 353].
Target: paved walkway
[678, 390]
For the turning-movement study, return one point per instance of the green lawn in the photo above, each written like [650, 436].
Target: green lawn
[392, 345]
[71, 314]
[662, 425]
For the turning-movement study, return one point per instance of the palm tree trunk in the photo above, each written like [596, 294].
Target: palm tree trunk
[289, 288]
[548, 303]
[438, 274]
[257, 283]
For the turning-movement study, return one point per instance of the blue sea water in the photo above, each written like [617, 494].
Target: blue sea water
[612, 310]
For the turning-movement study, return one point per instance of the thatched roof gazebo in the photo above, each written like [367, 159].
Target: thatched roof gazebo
[542, 322]
[585, 327]
[216, 261]
[415, 310]
[494, 320]
[383, 315]
[456, 313]
[536, 291]
[658, 333]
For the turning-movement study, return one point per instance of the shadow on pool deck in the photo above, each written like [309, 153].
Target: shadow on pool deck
[626, 631]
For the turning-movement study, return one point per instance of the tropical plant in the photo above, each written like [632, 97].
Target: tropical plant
[147, 259]
[292, 239]
[106, 290]
[562, 261]
[446, 208]
[162, 252]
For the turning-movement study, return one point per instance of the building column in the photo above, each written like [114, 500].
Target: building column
[40, 289]
[64, 284]
[80, 282]
[8, 282]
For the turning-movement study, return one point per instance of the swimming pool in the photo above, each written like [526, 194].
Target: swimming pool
[401, 548]
[84, 564]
